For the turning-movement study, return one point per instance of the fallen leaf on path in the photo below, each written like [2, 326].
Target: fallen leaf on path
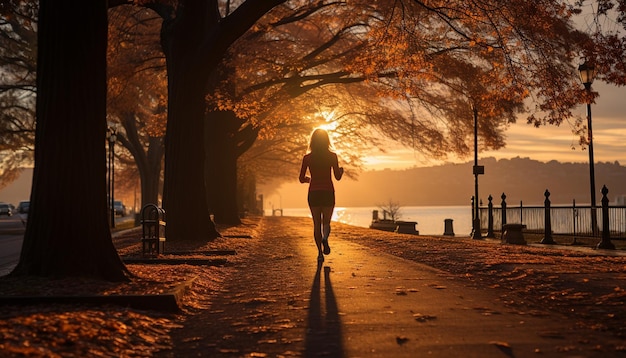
[402, 340]
[551, 334]
[423, 317]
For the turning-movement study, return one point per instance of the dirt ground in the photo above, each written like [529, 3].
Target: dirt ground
[589, 288]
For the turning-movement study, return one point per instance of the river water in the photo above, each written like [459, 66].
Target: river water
[430, 219]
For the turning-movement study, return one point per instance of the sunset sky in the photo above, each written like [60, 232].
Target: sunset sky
[523, 140]
[544, 143]
[548, 142]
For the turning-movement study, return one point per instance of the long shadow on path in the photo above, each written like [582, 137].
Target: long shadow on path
[323, 332]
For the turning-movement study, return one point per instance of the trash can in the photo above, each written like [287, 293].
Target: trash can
[153, 230]
[448, 229]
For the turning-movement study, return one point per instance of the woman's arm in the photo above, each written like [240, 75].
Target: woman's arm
[303, 178]
[336, 168]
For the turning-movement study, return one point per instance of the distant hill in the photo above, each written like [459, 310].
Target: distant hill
[521, 179]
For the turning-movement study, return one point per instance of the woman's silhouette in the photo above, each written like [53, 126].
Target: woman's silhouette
[319, 161]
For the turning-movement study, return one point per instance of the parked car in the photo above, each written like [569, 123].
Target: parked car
[120, 208]
[23, 206]
[5, 209]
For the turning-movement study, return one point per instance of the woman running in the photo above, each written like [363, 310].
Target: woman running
[319, 161]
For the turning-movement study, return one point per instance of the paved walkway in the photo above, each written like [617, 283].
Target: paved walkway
[360, 303]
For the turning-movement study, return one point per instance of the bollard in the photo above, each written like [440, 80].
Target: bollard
[448, 229]
[574, 218]
[547, 234]
[503, 221]
[490, 233]
[476, 233]
[606, 234]
[473, 210]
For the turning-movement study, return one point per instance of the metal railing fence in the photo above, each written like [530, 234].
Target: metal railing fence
[566, 220]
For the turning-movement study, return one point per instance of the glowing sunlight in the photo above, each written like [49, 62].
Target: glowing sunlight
[329, 122]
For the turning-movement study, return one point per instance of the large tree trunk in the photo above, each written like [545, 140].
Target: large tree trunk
[195, 42]
[184, 192]
[70, 156]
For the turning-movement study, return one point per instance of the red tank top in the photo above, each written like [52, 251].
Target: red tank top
[320, 168]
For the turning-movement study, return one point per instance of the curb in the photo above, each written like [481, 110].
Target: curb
[167, 302]
[169, 261]
[205, 253]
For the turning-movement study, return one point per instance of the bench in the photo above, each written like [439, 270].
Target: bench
[513, 234]
[406, 227]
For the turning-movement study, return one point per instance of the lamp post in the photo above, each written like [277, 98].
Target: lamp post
[587, 75]
[477, 169]
[112, 137]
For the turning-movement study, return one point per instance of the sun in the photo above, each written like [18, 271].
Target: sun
[329, 121]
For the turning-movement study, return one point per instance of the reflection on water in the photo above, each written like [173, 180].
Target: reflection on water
[430, 219]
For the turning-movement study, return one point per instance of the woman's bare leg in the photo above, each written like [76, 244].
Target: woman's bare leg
[316, 212]
[327, 214]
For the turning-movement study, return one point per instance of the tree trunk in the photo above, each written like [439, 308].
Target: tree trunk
[150, 187]
[228, 137]
[194, 42]
[149, 165]
[246, 192]
[149, 162]
[70, 155]
[184, 192]
[222, 185]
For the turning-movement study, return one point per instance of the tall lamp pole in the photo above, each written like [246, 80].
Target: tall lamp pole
[478, 169]
[112, 137]
[587, 75]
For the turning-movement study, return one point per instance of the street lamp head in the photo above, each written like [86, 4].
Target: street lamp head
[111, 131]
[587, 73]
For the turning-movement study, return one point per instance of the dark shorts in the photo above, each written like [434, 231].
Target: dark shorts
[321, 198]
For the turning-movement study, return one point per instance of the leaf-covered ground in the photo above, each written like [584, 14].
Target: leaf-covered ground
[57, 330]
[532, 280]
[577, 283]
